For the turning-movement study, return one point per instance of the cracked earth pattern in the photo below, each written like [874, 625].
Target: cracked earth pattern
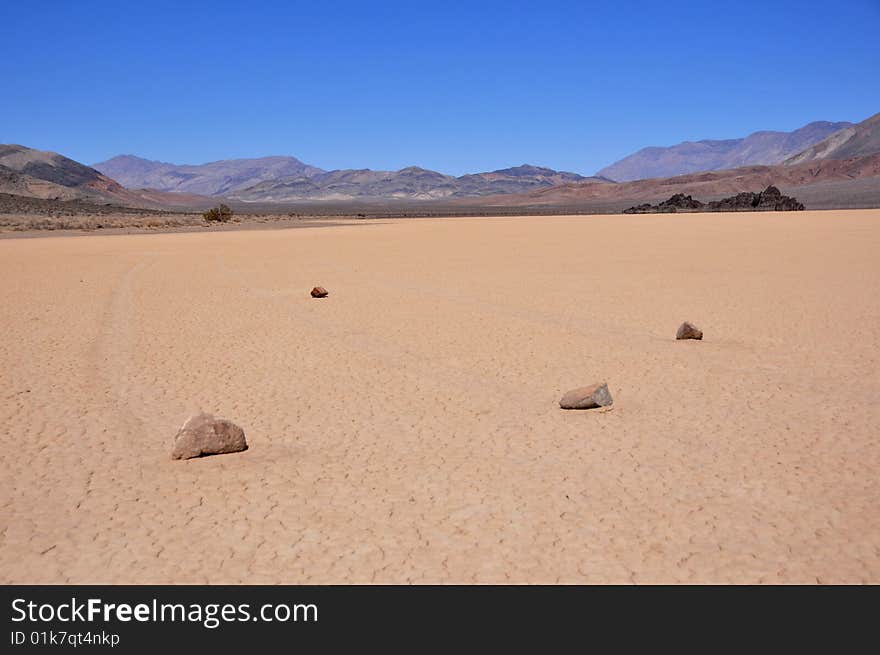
[406, 429]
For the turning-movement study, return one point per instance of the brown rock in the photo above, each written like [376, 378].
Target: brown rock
[319, 292]
[203, 434]
[688, 331]
[596, 395]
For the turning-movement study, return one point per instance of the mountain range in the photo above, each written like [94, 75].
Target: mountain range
[287, 179]
[47, 175]
[761, 148]
[707, 184]
[855, 141]
[214, 179]
[842, 170]
[411, 183]
[39, 174]
[847, 162]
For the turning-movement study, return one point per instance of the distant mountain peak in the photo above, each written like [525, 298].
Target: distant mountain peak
[213, 178]
[527, 169]
[418, 169]
[412, 182]
[283, 178]
[764, 147]
[859, 140]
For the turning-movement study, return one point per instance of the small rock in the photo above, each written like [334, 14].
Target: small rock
[319, 292]
[688, 331]
[203, 434]
[596, 395]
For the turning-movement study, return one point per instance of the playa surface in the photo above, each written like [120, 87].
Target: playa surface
[407, 428]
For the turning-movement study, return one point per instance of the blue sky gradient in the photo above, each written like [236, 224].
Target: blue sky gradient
[455, 86]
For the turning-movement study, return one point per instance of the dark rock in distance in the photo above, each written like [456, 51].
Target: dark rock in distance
[671, 206]
[319, 292]
[770, 199]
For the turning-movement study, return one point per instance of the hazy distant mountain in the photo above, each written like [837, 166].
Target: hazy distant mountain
[34, 173]
[214, 179]
[519, 179]
[760, 148]
[858, 140]
[411, 183]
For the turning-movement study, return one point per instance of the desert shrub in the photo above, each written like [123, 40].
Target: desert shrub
[221, 213]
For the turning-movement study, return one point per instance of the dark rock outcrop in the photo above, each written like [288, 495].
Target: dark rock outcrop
[676, 202]
[770, 199]
[319, 292]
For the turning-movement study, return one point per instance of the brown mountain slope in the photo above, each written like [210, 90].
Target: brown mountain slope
[17, 183]
[58, 171]
[760, 148]
[859, 140]
[703, 185]
[47, 175]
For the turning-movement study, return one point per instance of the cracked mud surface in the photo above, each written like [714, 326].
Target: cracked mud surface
[407, 428]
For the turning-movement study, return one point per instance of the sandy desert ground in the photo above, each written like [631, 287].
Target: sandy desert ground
[406, 429]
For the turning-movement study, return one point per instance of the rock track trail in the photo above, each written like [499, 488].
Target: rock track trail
[406, 429]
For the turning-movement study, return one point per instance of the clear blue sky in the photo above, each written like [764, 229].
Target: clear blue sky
[453, 86]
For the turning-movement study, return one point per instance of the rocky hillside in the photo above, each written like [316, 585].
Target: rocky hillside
[764, 148]
[411, 183]
[37, 174]
[859, 140]
[40, 174]
[514, 180]
[29, 173]
[706, 184]
[213, 179]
